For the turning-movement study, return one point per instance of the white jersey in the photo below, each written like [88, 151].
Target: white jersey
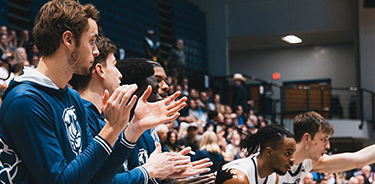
[249, 166]
[296, 173]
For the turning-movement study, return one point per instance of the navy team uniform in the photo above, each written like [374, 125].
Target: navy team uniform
[45, 138]
[146, 144]
[96, 123]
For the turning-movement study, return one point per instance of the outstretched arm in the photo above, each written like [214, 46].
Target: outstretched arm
[345, 161]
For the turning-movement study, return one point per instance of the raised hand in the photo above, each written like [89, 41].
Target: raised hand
[150, 114]
[117, 110]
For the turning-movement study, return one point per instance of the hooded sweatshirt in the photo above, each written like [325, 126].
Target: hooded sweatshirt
[44, 136]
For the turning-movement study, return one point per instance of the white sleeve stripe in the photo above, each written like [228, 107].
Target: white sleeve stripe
[104, 144]
[126, 143]
[145, 174]
[153, 180]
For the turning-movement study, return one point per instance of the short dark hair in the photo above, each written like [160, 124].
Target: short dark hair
[268, 136]
[135, 70]
[105, 47]
[310, 122]
[155, 64]
[58, 16]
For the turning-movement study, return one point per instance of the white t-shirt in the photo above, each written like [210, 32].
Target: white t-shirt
[297, 173]
[249, 166]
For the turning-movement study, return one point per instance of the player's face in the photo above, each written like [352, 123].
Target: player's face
[161, 77]
[282, 158]
[112, 74]
[82, 58]
[154, 96]
[319, 145]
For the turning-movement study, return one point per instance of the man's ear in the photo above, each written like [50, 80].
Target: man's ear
[306, 137]
[268, 151]
[68, 39]
[99, 69]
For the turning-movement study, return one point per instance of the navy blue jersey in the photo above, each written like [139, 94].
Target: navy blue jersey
[146, 144]
[44, 136]
[124, 176]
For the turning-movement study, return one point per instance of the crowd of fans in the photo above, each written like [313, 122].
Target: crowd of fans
[212, 129]
[18, 47]
[17, 51]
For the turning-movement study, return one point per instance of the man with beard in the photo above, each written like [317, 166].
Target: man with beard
[43, 122]
[312, 133]
[161, 77]
[276, 146]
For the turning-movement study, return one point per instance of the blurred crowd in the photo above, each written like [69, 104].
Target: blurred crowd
[17, 52]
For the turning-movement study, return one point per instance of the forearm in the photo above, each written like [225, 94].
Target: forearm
[345, 161]
[133, 131]
[110, 134]
[113, 163]
[137, 175]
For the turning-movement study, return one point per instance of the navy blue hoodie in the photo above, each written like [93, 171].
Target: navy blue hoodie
[44, 136]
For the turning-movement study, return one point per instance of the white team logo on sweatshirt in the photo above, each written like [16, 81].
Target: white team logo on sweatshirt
[73, 130]
[142, 156]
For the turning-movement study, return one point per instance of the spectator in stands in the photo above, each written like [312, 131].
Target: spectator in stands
[194, 113]
[176, 61]
[6, 70]
[240, 119]
[171, 142]
[4, 44]
[34, 61]
[322, 181]
[209, 148]
[6, 73]
[191, 137]
[241, 94]
[20, 59]
[150, 46]
[162, 131]
[24, 40]
[218, 106]
[212, 121]
[185, 86]
[233, 148]
[12, 40]
[3, 30]
[252, 120]
[193, 94]
[368, 174]
[32, 52]
[202, 101]
[308, 179]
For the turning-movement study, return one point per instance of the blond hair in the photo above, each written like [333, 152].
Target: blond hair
[209, 142]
